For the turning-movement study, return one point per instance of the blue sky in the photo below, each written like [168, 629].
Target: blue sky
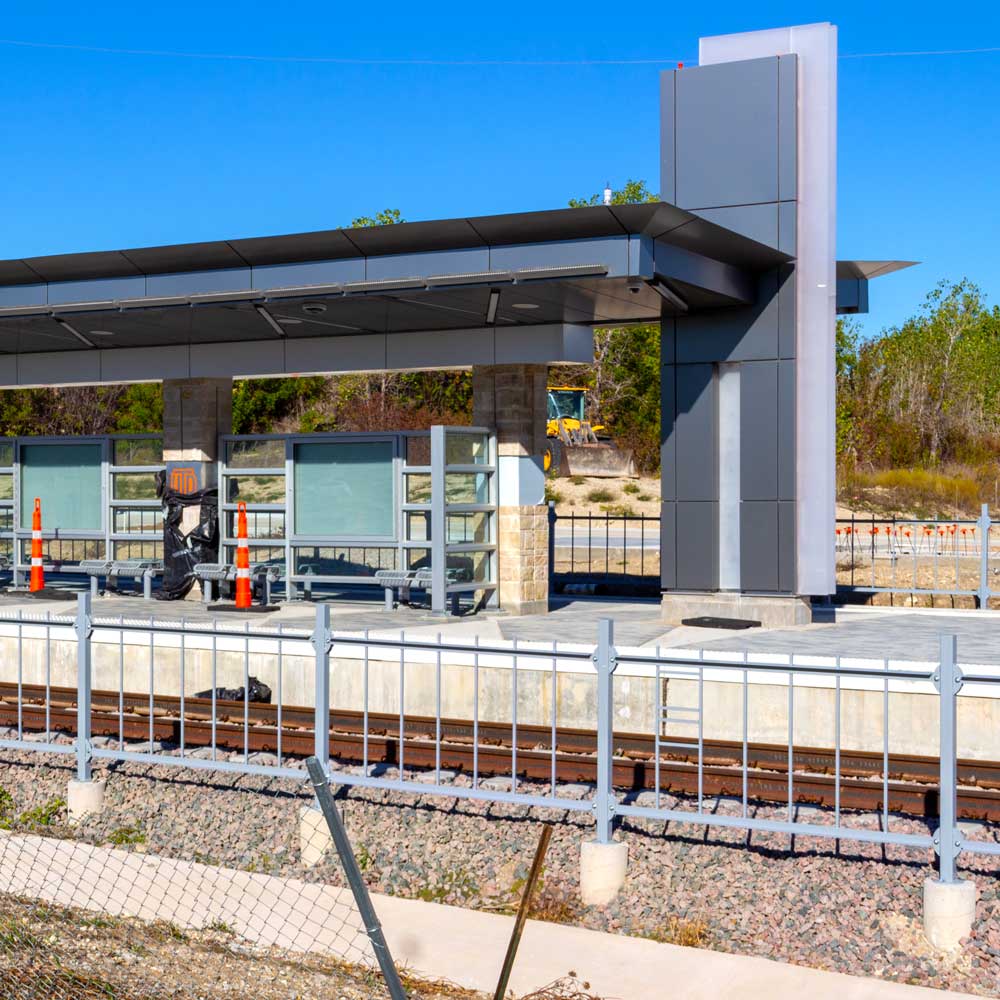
[102, 150]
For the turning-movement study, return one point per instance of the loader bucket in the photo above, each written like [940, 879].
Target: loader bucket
[597, 461]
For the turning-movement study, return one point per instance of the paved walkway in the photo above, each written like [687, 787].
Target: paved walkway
[437, 942]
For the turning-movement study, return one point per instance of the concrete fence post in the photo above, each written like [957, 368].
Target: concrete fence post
[84, 795]
[603, 861]
[984, 557]
[949, 903]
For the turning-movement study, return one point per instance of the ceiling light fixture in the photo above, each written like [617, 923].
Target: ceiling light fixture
[314, 308]
[269, 320]
[525, 305]
[491, 307]
[101, 333]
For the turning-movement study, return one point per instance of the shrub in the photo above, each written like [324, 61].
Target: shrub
[578, 480]
[601, 495]
[631, 488]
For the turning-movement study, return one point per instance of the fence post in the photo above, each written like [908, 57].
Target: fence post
[322, 643]
[83, 795]
[949, 902]
[439, 521]
[604, 661]
[83, 684]
[553, 518]
[984, 557]
[603, 861]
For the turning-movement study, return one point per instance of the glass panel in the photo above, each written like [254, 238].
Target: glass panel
[418, 450]
[6, 453]
[417, 558]
[466, 449]
[260, 524]
[64, 549]
[344, 489]
[469, 528]
[67, 477]
[418, 488]
[467, 487]
[7, 486]
[337, 561]
[255, 489]
[6, 518]
[256, 454]
[138, 550]
[270, 555]
[148, 451]
[129, 521]
[465, 567]
[7, 547]
[133, 486]
[418, 525]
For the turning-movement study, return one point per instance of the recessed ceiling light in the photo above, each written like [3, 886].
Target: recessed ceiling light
[314, 308]
[289, 321]
[102, 333]
[525, 305]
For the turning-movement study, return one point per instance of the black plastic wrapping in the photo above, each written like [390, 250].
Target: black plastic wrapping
[181, 553]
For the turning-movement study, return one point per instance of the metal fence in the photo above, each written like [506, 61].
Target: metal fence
[617, 551]
[917, 558]
[134, 683]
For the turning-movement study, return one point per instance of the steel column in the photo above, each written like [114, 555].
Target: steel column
[949, 683]
[322, 644]
[439, 518]
[605, 661]
[83, 630]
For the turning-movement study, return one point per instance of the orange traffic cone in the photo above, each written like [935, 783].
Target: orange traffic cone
[244, 599]
[37, 573]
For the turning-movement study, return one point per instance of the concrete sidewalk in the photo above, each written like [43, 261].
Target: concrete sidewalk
[436, 942]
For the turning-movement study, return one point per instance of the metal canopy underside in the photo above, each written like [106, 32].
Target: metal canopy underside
[592, 266]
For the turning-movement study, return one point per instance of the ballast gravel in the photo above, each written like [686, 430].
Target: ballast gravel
[848, 907]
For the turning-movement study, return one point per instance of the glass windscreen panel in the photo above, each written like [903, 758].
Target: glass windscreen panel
[137, 451]
[255, 489]
[467, 487]
[67, 479]
[335, 560]
[345, 489]
[255, 454]
[6, 454]
[466, 448]
[6, 485]
[260, 524]
[131, 521]
[134, 485]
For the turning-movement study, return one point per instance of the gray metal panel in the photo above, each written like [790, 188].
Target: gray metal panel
[787, 222]
[641, 255]
[697, 546]
[609, 250]
[668, 340]
[727, 134]
[788, 143]
[756, 222]
[98, 290]
[786, 430]
[759, 430]
[668, 545]
[668, 433]
[786, 547]
[759, 546]
[668, 137]
[439, 262]
[743, 334]
[319, 272]
[786, 278]
[190, 282]
[695, 431]
[23, 295]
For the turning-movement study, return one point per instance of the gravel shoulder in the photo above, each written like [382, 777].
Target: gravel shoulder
[855, 911]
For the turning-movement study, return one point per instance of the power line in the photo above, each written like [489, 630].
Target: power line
[349, 61]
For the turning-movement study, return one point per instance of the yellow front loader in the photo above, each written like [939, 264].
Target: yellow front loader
[574, 447]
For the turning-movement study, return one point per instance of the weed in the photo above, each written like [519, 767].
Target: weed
[221, 927]
[6, 802]
[551, 493]
[601, 495]
[645, 497]
[364, 858]
[619, 509]
[578, 480]
[453, 884]
[126, 836]
[687, 933]
[631, 488]
[43, 815]
[568, 987]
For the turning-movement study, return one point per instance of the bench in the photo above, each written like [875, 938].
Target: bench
[406, 580]
[116, 569]
[262, 575]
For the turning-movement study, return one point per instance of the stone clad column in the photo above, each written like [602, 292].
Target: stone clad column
[512, 399]
[195, 412]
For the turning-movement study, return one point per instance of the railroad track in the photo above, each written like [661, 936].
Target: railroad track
[254, 727]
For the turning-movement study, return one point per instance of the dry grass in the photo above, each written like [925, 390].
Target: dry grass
[686, 933]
